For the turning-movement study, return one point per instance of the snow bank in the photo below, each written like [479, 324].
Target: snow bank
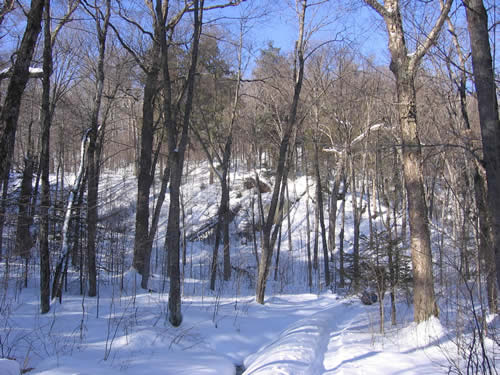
[423, 334]
[298, 350]
[8, 367]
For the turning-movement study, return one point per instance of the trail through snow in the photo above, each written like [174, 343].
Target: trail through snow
[340, 341]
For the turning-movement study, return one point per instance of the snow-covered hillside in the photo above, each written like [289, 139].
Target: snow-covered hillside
[299, 330]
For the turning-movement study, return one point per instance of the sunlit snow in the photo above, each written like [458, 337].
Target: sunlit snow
[297, 331]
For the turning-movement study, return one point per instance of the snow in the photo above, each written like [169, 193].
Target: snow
[297, 331]
[32, 70]
[9, 367]
[36, 70]
[339, 340]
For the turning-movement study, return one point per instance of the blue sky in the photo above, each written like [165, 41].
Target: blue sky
[357, 25]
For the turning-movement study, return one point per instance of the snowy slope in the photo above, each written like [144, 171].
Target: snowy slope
[126, 331]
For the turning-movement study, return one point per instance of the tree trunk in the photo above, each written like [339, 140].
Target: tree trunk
[224, 218]
[172, 240]
[319, 197]
[76, 226]
[289, 219]
[3, 208]
[45, 167]
[19, 78]
[92, 211]
[215, 255]
[484, 80]
[176, 152]
[93, 150]
[332, 212]
[308, 236]
[144, 179]
[281, 169]
[485, 234]
[341, 244]
[225, 230]
[278, 250]
[316, 238]
[420, 243]
[24, 240]
[154, 226]
[356, 211]
[404, 67]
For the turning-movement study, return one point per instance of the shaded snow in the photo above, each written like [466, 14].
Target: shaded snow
[126, 330]
[9, 367]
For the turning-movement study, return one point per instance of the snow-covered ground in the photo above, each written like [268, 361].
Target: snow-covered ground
[125, 329]
[290, 334]
[341, 340]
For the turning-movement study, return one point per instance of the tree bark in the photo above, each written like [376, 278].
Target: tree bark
[44, 167]
[404, 67]
[484, 80]
[341, 244]
[24, 240]
[144, 179]
[19, 78]
[332, 203]
[420, 243]
[3, 209]
[357, 213]
[319, 197]
[308, 236]
[93, 149]
[226, 211]
[177, 144]
[485, 234]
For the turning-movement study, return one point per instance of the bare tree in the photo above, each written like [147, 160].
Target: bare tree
[222, 154]
[20, 73]
[44, 167]
[284, 155]
[484, 80]
[93, 159]
[47, 112]
[404, 67]
[151, 65]
[177, 143]
[177, 140]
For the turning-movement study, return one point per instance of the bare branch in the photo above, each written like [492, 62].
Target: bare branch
[132, 22]
[67, 18]
[431, 38]
[128, 48]
[7, 7]
[377, 7]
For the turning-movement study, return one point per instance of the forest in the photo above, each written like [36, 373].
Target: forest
[163, 161]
